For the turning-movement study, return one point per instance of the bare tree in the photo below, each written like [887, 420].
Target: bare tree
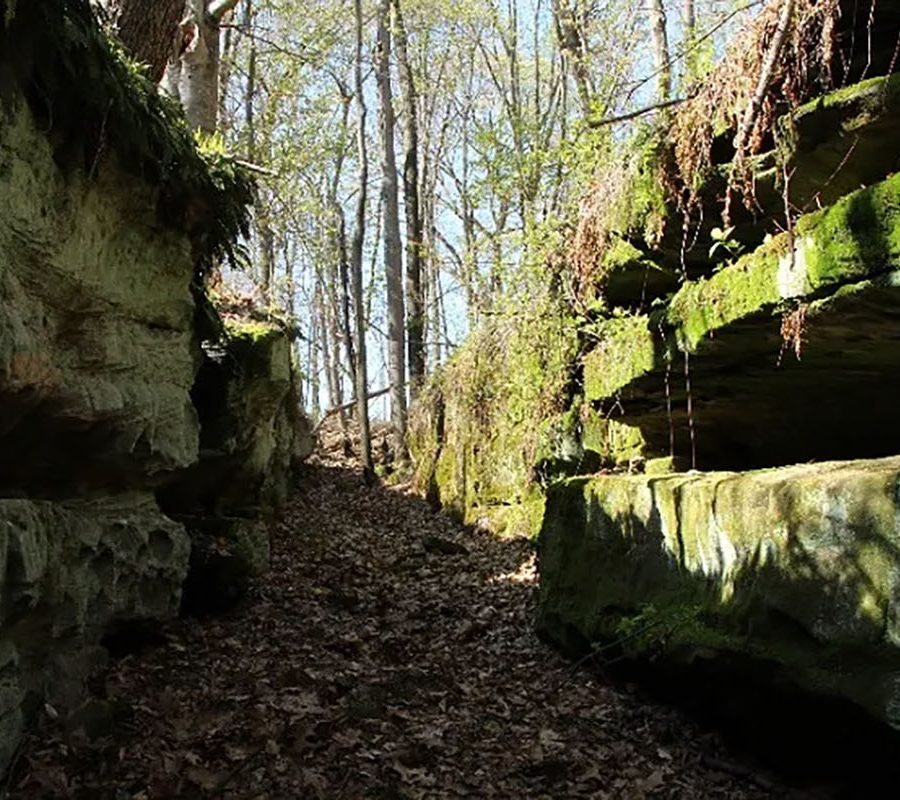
[356, 276]
[393, 254]
[415, 298]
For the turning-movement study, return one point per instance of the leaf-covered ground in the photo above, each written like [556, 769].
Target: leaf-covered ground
[389, 653]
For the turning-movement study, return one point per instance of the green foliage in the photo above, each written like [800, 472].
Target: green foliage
[92, 99]
[722, 242]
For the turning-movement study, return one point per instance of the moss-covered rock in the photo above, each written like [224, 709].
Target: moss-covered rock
[857, 237]
[797, 566]
[96, 322]
[109, 215]
[841, 141]
[252, 436]
[487, 419]
[742, 348]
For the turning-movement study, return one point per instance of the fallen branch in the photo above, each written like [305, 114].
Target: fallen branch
[765, 77]
[250, 167]
[599, 123]
[349, 406]
[742, 137]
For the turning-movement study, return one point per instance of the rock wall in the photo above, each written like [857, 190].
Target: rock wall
[97, 361]
[659, 448]
[252, 437]
[109, 216]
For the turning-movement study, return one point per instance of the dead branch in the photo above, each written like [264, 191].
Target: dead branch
[599, 123]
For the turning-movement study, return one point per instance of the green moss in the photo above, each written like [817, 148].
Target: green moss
[251, 330]
[795, 566]
[616, 444]
[873, 93]
[625, 347]
[481, 428]
[748, 287]
[856, 237]
[89, 97]
[640, 210]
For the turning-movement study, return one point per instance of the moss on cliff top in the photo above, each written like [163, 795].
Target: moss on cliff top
[91, 99]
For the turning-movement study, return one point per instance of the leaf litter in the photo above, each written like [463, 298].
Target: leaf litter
[389, 653]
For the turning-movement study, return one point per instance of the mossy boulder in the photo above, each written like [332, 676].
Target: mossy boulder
[798, 567]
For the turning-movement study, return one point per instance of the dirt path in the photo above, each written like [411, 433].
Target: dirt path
[366, 666]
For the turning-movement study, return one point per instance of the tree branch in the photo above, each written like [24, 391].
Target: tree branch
[599, 123]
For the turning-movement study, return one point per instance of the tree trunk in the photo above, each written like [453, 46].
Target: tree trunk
[147, 30]
[690, 35]
[415, 300]
[572, 44]
[356, 255]
[314, 385]
[393, 254]
[192, 74]
[661, 49]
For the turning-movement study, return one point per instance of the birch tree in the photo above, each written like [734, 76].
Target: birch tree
[192, 72]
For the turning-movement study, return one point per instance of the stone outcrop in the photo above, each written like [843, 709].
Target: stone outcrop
[97, 361]
[705, 442]
[797, 567]
[109, 216]
[252, 435]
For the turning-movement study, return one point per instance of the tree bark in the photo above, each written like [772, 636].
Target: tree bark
[192, 73]
[356, 255]
[147, 29]
[661, 49]
[393, 254]
[415, 299]
[690, 34]
[572, 43]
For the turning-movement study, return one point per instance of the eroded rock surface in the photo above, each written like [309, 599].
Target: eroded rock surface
[798, 567]
[109, 218]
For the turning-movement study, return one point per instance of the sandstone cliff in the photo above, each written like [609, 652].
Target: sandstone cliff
[109, 218]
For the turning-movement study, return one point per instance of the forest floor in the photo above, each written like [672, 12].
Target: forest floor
[373, 662]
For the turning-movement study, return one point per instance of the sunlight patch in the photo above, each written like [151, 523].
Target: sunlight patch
[526, 573]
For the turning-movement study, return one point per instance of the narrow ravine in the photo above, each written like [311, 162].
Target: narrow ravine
[389, 653]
